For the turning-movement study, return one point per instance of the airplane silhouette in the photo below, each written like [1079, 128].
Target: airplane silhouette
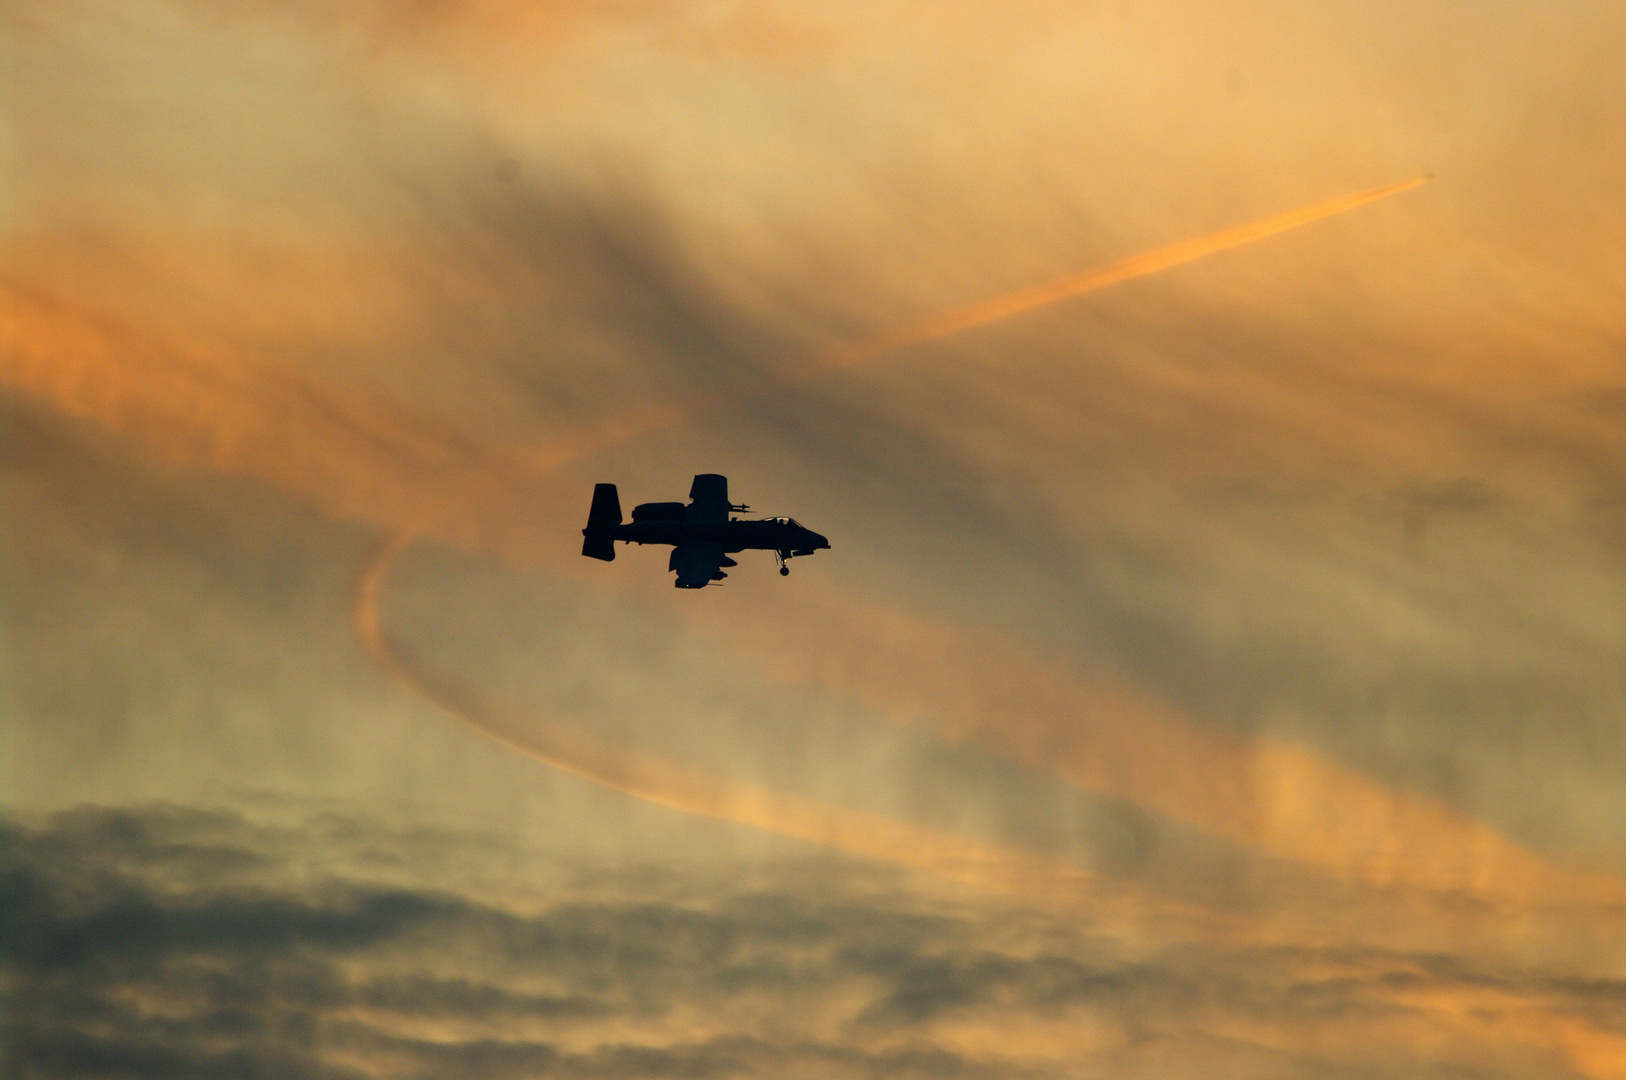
[702, 533]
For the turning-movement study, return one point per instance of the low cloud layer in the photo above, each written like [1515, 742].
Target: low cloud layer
[161, 942]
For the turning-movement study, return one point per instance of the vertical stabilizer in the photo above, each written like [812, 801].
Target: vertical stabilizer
[606, 509]
[603, 516]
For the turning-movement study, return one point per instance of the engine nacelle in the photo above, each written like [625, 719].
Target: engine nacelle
[667, 511]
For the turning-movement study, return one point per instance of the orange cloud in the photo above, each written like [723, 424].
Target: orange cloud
[1429, 1016]
[202, 405]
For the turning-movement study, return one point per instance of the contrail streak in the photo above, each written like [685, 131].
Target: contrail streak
[1037, 296]
[648, 421]
[666, 783]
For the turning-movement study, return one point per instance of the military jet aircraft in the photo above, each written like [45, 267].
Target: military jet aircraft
[703, 533]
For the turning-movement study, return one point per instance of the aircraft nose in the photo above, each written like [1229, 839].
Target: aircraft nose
[819, 541]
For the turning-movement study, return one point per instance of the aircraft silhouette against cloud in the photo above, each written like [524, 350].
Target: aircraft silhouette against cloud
[702, 534]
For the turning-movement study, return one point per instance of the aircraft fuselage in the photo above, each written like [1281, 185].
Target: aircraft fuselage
[734, 535]
[702, 533]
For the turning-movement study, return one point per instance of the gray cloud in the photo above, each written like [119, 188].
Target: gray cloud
[124, 962]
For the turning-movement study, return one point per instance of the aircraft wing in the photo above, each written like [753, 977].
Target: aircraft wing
[698, 564]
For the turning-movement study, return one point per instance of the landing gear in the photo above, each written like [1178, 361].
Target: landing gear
[784, 571]
[779, 557]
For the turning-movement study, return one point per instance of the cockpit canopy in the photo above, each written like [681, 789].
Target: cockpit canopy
[785, 521]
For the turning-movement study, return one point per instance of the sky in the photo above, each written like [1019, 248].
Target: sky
[1219, 668]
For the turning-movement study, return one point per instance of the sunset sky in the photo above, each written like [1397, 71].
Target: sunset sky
[1219, 669]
